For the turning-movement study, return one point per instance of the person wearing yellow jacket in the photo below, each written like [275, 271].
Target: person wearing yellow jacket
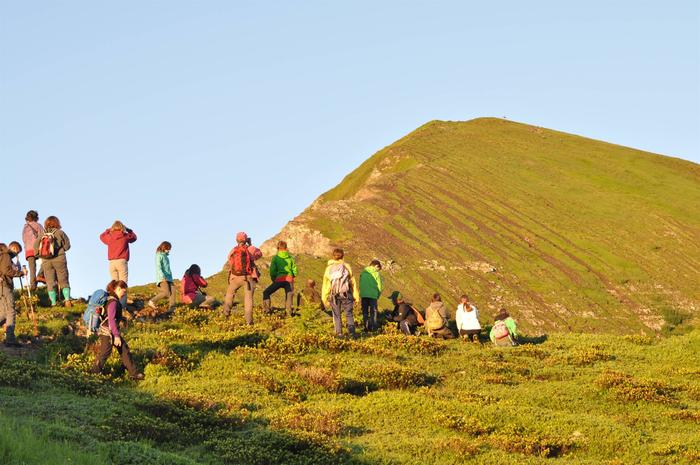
[340, 292]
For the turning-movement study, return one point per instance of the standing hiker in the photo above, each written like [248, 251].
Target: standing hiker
[191, 293]
[371, 286]
[283, 270]
[164, 277]
[504, 332]
[340, 292]
[467, 317]
[8, 271]
[242, 273]
[109, 334]
[310, 296]
[30, 233]
[117, 238]
[52, 247]
[437, 319]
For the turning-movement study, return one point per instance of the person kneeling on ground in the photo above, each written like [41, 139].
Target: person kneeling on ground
[191, 294]
[504, 332]
[310, 296]
[436, 319]
[404, 314]
[8, 272]
[109, 335]
[467, 318]
[283, 270]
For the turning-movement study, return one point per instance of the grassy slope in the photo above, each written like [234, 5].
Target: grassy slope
[286, 392]
[584, 235]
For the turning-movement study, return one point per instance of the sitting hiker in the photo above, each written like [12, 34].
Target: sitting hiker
[404, 314]
[310, 296]
[436, 319]
[504, 332]
[109, 334]
[371, 286]
[283, 270]
[191, 292]
[8, 271]
[467, 317]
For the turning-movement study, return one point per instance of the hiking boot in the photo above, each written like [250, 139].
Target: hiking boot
[137, 377]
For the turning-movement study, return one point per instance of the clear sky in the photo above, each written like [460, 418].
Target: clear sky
[191, 120]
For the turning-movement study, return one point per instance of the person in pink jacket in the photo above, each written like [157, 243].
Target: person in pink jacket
[191, 292]
[30, 233]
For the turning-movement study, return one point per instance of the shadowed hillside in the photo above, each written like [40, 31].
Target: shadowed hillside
[566, 232]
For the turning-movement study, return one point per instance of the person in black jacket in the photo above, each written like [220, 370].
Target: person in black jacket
[8, 272]
[404, 314]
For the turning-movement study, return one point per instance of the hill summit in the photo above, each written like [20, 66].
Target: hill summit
[565, 232]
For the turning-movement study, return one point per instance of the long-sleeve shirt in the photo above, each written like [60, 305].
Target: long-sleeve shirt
[163, 272]
[8, 271]
[118, 243]
[114, 315]
[62, 242]
[326, 290]
[31, 231]
[190, 283]
[467, 320]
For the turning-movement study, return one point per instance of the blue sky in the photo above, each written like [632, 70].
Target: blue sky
[190, 121]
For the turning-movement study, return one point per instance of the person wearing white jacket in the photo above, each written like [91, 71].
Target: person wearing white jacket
[467, 317]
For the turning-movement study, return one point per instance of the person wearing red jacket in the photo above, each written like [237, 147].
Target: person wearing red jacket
[117, 238]
[191, 292]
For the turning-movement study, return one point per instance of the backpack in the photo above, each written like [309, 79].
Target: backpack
[47, 245]
[434, 321]
[94, 313]
[240, 261]
[340, 279]
[500, 330]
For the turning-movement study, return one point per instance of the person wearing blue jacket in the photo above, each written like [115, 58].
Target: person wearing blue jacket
[164, 277]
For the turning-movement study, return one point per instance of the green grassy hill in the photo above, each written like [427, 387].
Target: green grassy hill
[287, 392]
[566, 232]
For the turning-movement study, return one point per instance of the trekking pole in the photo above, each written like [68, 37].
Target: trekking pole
[30, 306]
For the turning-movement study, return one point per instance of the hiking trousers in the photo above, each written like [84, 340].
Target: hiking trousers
[471, 334]
[32, 272]
[340, 305]
[7, 311]
[56, 272]
[119, 271]
[288, 293]
[166, 292]
[202, 300]
[104, 350]
[235, 283]
[369, 313]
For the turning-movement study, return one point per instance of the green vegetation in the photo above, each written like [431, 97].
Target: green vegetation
[286, 391]
[566, 232]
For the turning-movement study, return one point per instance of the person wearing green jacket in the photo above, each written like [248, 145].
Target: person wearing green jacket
[371, 286]
[504, 331]
[283, 270]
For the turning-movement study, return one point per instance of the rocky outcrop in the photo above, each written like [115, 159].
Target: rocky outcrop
[300, 239]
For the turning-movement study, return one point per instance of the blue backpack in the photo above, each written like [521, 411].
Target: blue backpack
[95, 310]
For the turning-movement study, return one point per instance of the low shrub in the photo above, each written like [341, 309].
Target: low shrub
[626, 388]
[299, 418]
[588, 356]
[691, 415]
[464, 424]
[516, 439]
[638, 339]
[399, 377]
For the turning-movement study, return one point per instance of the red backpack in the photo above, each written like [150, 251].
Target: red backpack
[47, 246]
[240, 261]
